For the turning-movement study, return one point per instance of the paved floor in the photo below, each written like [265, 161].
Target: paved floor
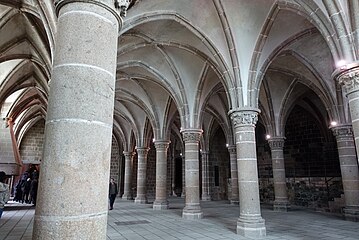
[135, 221]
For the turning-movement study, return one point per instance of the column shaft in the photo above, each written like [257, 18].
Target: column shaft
[234, 174]
[250, 223]
[127, 193]
[161, 202]
[78, 134]
[183, 193]
[349, 170]
[141, 175]
[192, 210]
[205, 176]
[280, 188]
[348, 76]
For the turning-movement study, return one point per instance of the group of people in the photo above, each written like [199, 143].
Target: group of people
[25, 190]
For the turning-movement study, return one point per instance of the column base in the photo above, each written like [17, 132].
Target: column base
[251, 228]
[141, 200]
[192, 212]
[206, 197]
[160, 205]
[127, 197]
[281, 206]
[351, 214]
[234, 202]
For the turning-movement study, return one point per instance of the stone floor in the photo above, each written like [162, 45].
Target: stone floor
[135, 221]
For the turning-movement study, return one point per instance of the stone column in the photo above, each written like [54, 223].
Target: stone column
[192, 209]
[250, 223]
[183, 193]
[349, 170]
[234, 174]
[280, 187]
[161, 202]
[348, 77]
[127, 192]
[141, 175]
[73, 187]
[205, 176]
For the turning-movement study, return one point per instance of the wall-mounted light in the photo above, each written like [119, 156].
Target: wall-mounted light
[227, 144]
[153, 139]
[267, 136]
[180, 154]
[333, 123]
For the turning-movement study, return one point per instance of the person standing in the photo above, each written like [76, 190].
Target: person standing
[33, 190]
[112, 192]
[4, 192]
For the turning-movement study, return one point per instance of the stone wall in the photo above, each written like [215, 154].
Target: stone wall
[151, 173]
[311, 162]
[116, 165]
[219, 167]
[32, 143]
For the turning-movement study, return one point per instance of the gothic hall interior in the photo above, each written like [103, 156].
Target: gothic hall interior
[255, 103]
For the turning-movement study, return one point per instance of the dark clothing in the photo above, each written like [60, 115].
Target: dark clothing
[33, 190]
[112, 194]
[25, 187]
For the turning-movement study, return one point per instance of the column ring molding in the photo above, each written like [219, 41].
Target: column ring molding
[60, 3]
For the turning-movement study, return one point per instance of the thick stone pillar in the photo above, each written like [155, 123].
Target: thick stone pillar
[280, 187]
[73, 188]
[192, 209]
[349, 170]
[348, 77]
[161, 201]
[205, 176]
[141, 175]
[127, 192]
[250, 223]
[234, 174]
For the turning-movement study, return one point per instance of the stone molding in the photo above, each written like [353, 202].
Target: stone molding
[162, 144]
[192, 135]
[342, 131]
[142, 151]
[60, 3]
[276, 143]
[128, 154]
[348, 77]
[245, 116]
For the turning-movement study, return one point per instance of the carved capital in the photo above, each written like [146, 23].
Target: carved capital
[348, 77]
[276, 143]
[204, 153]
[232, 149]
[142, 151]
[60, 3]
[192, 135]
[128, 154]
[245, 116]
[162, 144]
[342, 131]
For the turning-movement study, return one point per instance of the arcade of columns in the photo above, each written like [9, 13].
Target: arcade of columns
[77, 58]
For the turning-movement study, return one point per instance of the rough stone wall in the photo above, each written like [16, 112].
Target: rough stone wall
[311, 163]
[151, 173]
[219, 157]
[115, 167]
[32, 143]
[307, 153]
